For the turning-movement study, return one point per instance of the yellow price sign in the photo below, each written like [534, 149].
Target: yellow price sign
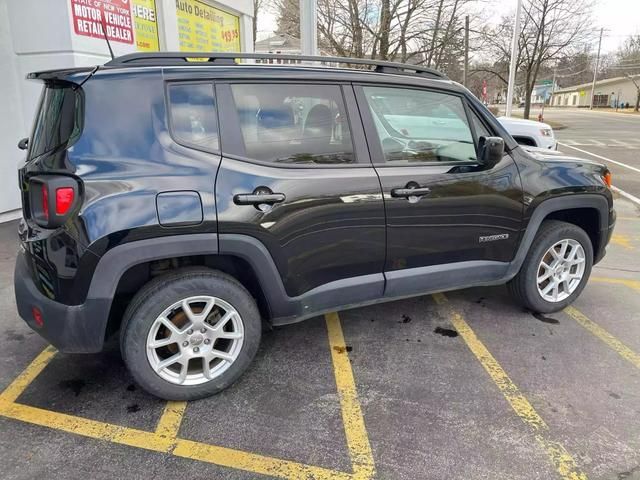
[203, 28]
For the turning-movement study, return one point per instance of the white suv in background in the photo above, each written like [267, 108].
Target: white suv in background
[530, 133]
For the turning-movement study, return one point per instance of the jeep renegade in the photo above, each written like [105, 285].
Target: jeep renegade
[186, 204]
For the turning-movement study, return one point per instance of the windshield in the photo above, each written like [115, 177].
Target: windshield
[58, 119]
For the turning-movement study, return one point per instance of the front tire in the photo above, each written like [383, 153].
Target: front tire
[190, 334]
[556, 268]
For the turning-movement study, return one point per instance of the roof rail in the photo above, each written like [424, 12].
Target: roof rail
[160, 59]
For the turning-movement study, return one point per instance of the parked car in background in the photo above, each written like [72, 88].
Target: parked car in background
[530, 132]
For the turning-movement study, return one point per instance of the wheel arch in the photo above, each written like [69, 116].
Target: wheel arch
[588, 211]
[125, 269]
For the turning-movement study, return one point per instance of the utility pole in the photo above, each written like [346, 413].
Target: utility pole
[309, 27]
[595, 71]
[465, 70]
[514, 56]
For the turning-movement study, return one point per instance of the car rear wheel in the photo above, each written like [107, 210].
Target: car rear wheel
[555, 270]
[190, 334]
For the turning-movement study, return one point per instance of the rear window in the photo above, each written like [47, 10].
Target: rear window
[58, 121]
[194, 121]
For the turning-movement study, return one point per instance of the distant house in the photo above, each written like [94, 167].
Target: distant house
[542, 92]
[608, 93]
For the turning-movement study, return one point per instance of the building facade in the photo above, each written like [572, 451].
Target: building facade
[611, 92]
[47, 34]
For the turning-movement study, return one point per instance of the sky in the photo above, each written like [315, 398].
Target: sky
[619, 18]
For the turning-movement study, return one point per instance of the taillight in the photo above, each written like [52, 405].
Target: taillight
[52, 199]
[606, 178]
[64, 200]
[45, 201]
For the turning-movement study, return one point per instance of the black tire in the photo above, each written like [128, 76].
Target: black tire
[161, 293]
[524, 287]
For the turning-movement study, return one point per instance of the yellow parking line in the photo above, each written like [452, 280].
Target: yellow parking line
[169, 423]
[20, 384]
[87, 428]
[253, 462]
[635, 284]
[563, 461]
[354, 427]
[619, 347]
[165, 438]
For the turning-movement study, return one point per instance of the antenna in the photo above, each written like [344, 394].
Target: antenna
[104, 31]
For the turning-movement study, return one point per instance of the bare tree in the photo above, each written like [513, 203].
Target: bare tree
[415, 31]
[551, 30]
[258, 5]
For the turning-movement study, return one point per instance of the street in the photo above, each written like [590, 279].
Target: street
[607, 135]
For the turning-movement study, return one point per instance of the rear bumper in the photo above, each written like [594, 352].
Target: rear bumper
[69, 328]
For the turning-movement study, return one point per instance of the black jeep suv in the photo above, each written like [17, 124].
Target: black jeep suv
[188, 203]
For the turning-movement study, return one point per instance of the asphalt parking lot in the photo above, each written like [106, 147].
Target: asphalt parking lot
[461, 385]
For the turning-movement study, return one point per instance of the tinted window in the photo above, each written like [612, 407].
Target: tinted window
[301, 124]
[58, 121]
[194, 121]
[420, 125]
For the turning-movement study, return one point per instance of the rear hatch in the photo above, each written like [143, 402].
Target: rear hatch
[51, 192]
[57, 125]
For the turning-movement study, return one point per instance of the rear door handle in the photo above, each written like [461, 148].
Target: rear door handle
[410, 192]
[258, 198]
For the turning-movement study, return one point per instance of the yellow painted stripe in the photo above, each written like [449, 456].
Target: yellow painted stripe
[563, 462]
[619, 347]
[86, 427]
[165, 440]
[20, 384]
[132, 437]
[169, 423]
[252, 462]
[354, 427]
[635, 284]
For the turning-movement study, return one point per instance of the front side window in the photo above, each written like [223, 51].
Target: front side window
[417, 126]
[194, 121]
[294, 124]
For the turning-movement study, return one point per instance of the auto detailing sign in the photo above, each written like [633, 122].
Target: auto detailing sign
[90, 16]
[203, 28]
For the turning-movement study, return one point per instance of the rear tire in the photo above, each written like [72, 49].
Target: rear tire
[561, 255]
[202, 320]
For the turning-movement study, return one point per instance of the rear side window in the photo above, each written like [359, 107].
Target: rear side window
[417, 126]
[58, 121]
[294, 124]
[194, 121]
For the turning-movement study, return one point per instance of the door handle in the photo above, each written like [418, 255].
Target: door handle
[410, 192]
[262, 198]
[258, 198]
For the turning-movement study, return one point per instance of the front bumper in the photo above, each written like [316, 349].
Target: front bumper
[605, 236]
[69, 328]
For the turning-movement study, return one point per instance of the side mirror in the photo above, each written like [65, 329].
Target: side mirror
[491, 151]
[23, 144]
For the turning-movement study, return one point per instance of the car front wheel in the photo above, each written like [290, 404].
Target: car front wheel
[555, 270]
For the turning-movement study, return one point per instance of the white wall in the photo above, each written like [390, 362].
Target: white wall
[11, 117]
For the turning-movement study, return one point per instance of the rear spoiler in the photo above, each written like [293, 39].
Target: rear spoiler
[63, 74]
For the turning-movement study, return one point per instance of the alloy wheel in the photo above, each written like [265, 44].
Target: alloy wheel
[195, 340]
